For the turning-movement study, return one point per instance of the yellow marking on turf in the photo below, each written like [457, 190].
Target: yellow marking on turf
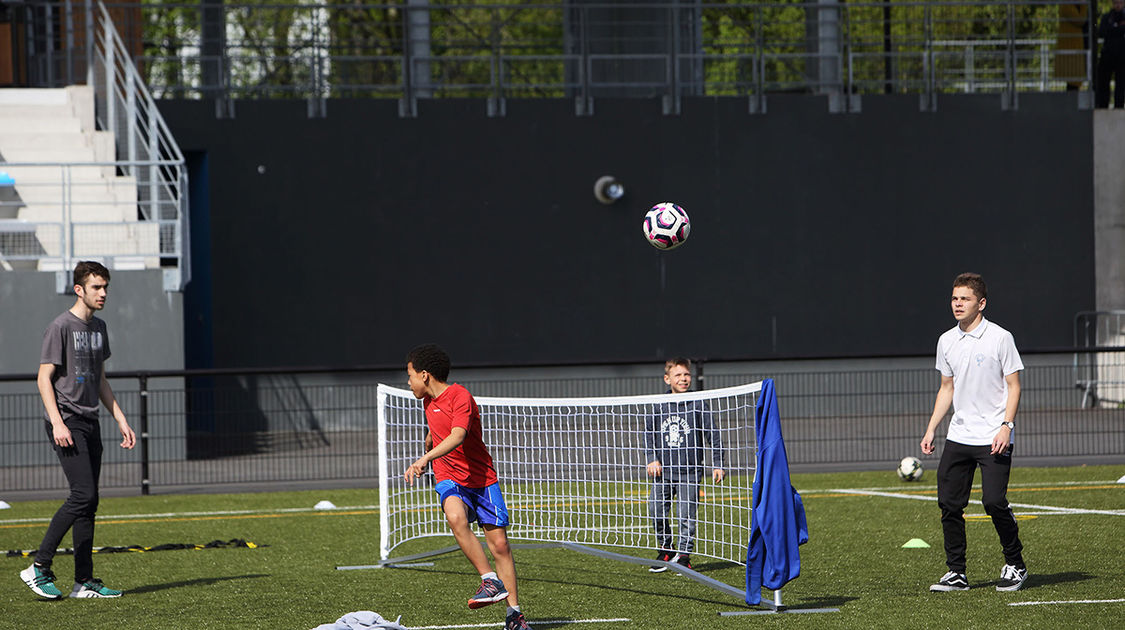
[218, 517]
[985, 517]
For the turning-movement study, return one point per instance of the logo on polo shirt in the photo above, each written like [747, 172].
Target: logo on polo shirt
[980, 359]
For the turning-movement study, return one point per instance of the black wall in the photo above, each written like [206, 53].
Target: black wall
[814, 234]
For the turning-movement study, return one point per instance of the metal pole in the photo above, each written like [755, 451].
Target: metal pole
[155, 208]
[131, 118]
[110, 77]
[90, 43]
[69, 26]
[888, 47]
[68, 227]
[143, 379]
[49, 46]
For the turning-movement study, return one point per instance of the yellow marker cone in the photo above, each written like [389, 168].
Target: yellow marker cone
[915, 543]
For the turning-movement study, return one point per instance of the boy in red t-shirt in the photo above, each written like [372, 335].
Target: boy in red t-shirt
[467, 485]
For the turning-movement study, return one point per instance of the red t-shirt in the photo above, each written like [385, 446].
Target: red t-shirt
[470, 463]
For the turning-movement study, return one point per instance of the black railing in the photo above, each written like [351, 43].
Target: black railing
[578, 49]
[205, 428]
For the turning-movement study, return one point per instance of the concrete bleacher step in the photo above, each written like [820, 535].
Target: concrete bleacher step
[43, 140]
[54, 176]
[89, 212]
[57, 127]
[40, 125]
[34, 96]
[36, 112]
[119, 190]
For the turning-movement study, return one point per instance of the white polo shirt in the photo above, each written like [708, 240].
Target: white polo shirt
[978, 361]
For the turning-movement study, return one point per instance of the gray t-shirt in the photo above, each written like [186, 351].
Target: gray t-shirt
[78, 349]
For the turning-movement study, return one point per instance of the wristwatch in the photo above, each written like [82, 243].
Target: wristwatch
[1011, 425]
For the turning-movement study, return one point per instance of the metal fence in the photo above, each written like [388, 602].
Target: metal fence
[588, 49]
[203, 429]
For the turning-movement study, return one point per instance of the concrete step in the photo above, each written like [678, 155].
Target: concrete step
[32, 112]
[49, 155]
[121, 190]
[33, 96]
[53, 213]
[53, 175]
[37, 140]
[40, 125]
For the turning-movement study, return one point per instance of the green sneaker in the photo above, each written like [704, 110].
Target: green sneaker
[93, 588]
[41, 580]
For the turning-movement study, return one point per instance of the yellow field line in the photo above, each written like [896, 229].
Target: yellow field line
[708, 499]
[218, 517]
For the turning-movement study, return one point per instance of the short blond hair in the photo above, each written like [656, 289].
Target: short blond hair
[673, 362]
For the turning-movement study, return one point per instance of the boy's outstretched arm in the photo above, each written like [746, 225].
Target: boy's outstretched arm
[418, 468]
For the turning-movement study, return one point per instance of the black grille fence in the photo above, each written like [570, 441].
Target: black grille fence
[204, 429]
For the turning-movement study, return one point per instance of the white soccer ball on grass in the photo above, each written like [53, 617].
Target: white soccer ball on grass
[910, 469]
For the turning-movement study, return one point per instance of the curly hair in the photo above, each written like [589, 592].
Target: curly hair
[429, 357]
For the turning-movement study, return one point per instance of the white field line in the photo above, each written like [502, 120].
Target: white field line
[1072, 601]
[877, 491]
[106, 517]
[549, 622]
[1043, 509]
[977, 486]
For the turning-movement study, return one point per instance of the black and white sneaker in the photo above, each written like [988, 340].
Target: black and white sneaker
[951, 581]
[1011, 578]
[684, 560]
[663, 556]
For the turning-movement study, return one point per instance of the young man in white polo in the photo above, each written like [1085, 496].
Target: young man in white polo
[980, 376]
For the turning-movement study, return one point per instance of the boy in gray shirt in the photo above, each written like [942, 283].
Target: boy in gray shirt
[71, 383]
[674, 438]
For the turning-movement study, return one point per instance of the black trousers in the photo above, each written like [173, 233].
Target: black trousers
[955, 482]
[82, 465]
[1110, 66]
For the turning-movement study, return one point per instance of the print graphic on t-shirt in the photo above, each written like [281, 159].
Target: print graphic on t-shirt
[675, 430]
[87, 345]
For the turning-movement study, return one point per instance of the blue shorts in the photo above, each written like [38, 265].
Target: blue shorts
[484, 504]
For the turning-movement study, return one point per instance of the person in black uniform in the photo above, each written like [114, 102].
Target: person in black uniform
[1112, 60]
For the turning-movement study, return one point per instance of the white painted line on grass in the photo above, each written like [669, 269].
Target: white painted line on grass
[551, 622]
[1072, 601]
[1037, 484]
[1046, 509]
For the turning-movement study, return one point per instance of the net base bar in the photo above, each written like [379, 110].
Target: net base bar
[722, 587]
[405, 561]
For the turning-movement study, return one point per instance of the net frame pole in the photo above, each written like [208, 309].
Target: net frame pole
[384, 479]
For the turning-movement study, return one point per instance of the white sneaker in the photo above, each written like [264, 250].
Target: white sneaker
[93, 588]
[951, 581]
[41, 580]
[1011, 578]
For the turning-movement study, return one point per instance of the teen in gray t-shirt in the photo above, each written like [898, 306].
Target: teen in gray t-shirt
[78, 348]
[71, 383]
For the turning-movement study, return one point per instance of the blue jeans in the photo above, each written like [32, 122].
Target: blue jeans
[685, 489]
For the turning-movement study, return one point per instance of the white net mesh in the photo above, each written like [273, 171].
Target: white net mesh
[573, 470]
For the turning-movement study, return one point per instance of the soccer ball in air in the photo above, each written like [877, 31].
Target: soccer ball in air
[666, 226]
[910, 469]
